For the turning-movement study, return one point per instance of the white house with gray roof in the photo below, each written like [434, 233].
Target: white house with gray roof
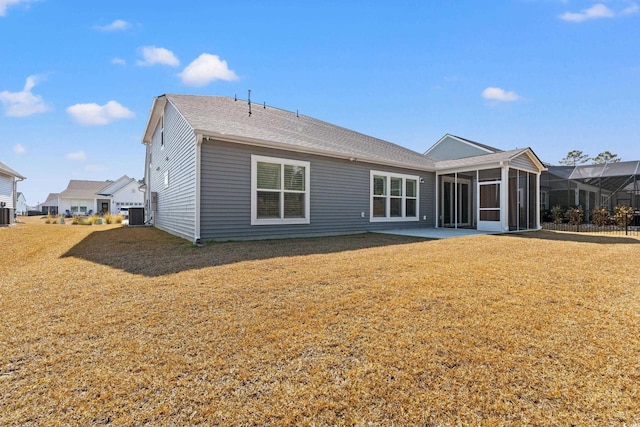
[8, 193]
[84, 197]
[219, 168]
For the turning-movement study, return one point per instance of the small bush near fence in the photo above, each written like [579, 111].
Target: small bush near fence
[623, 215]
[575, 216]
[557, 214]
[602, 221]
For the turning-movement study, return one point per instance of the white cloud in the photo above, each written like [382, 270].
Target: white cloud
[23, 103]
[497, 94]
[19, 149]
[79, 156]
[157, 55]
[98, 115]
[205, 69]
[631, 10]
[117, 25]
[4, 4]
[596, 11]
[118, 61]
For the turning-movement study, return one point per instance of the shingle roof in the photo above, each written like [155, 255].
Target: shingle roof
[217, 115]
[51, 198]
[8, 171]
[83, 189]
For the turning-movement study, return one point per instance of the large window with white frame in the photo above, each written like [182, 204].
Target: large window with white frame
[279, 191]
[394, 197]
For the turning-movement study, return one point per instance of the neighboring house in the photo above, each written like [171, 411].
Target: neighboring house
[21, 204]
[222, 169]
[50, 205]
[591, 186]
[8, 193]
[124, 191]
[81, 197]
[91, 197]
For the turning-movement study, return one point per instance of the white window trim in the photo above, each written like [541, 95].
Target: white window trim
[254, 191]
[388, 176]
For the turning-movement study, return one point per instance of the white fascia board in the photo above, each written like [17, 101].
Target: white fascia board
[154, 115]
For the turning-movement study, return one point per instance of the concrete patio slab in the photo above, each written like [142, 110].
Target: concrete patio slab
[436, 233]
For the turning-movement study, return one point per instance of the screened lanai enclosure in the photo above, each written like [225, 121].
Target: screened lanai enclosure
[496, 199]
[591, 186]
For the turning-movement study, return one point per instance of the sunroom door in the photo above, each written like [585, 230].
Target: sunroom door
[489, 211]
[456, 202]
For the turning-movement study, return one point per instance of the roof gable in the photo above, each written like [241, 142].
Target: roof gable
[6, 170]
[451, 147]
[489, 159]
[116, 186]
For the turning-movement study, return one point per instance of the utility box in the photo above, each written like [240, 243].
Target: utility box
[5, 216]
[136, 216]
[154, 201]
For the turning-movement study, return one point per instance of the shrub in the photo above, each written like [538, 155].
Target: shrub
[108, 218]
[118, 219]
[545, 215]
[623, 215]
[557, 214]
[600, 216]
[575, 216]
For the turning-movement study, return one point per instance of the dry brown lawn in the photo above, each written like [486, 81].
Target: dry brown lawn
[130, 326]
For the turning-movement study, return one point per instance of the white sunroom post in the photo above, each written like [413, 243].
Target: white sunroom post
[504, 197]
[437, 217]
[455, 200]
[477, 194]
[538, 227]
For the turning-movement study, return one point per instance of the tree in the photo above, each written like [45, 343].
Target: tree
[575, 157]
[606, 157]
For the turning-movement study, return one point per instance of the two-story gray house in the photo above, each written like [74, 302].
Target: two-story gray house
[224, 169]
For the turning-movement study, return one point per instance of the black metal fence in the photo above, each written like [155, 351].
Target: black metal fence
[628, 230]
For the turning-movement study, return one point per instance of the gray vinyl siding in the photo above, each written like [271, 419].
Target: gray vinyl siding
[176, 204]
[339, 193]
[523, 162]
[450, 149]
[6, 191]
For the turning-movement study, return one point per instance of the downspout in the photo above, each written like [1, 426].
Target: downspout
[196, 237]
[15, 197]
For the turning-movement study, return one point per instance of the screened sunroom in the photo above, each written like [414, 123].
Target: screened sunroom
[495, 192]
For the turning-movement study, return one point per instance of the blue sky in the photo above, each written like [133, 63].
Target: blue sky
[77, 78]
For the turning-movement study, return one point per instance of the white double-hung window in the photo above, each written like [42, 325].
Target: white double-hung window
[279, 191]
[394, 197]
